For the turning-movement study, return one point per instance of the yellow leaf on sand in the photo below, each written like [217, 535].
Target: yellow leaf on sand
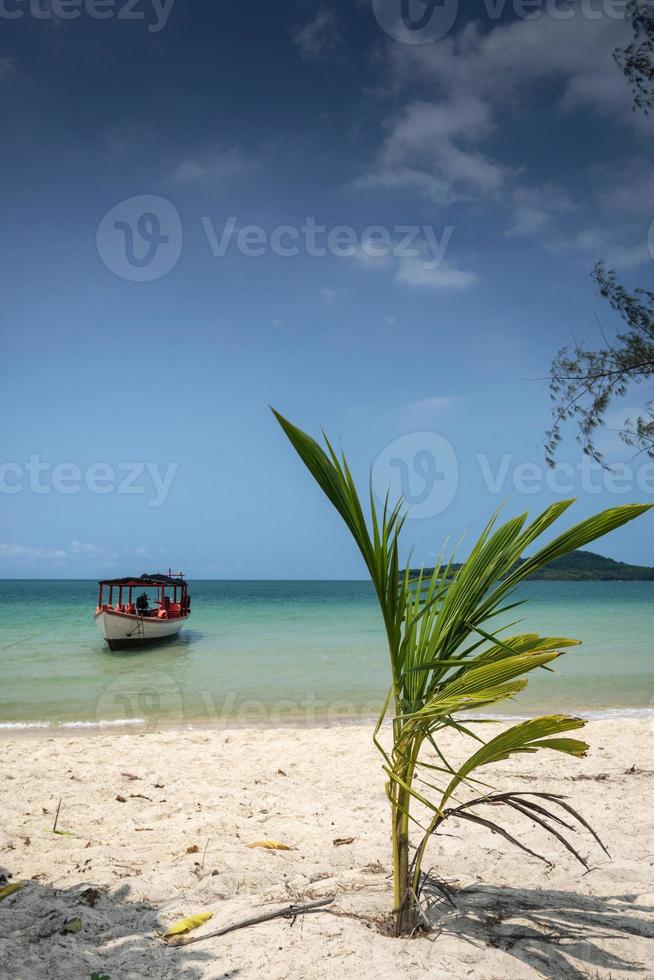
[185, 925]
[10, 889]
[271, 845]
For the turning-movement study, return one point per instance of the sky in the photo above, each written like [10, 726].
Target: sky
[386, 231]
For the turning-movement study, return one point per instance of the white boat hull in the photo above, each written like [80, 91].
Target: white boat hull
[125, 630]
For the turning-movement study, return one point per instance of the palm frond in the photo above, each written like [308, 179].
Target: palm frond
[445, 659]
[527, 736]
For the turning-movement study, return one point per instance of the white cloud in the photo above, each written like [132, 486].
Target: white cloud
[328, 295]
[22, 553]
[368, 259]
[627, 189]
[478, 74]
[214, 167]
[414, 272]
[472, 82]
[599, 244]
[320, 37]
[533, 209]
[626, 256]
[436, 404]
[417, 271]
[430, 148]
[80, 548]
[499, 64]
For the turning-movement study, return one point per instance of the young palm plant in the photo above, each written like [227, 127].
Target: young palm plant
[445, 659]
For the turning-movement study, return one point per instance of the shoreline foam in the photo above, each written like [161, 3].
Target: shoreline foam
[140, 725]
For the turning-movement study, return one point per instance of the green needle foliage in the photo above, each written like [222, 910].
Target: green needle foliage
[445, 660]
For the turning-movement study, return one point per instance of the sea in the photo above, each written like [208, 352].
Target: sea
[271, 653]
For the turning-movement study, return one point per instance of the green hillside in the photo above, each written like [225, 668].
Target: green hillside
[586, 566]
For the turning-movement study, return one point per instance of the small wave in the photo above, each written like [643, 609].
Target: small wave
[7, 725]
[618, 713]
[106, 723]
[103, 723]
[591, 714]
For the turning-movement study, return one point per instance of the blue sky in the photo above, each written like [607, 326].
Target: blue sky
[135, 391]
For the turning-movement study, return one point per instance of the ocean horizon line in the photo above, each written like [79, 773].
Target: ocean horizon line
[51, 578]
[363, 578]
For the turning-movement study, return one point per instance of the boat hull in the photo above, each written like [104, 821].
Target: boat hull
[125, 630]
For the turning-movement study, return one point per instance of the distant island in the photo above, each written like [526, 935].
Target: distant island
[589, 567]
[586, 566]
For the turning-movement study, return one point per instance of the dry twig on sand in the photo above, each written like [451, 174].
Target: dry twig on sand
[288, 912]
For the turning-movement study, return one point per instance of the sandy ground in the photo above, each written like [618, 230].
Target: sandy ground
[172, 842]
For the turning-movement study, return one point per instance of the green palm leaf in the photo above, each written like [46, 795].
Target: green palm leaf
[528, 736]
[444, 657]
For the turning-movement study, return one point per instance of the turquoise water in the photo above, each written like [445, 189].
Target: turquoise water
[272, 652]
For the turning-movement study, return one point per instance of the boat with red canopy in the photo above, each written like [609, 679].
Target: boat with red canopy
[133, 611]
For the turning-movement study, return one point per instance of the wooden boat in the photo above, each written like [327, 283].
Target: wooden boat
[134, 622]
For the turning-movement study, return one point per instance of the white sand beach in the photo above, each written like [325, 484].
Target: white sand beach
[161, 822]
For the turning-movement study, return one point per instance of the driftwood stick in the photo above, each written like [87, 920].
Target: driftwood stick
[288, 912]
[54, 826]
